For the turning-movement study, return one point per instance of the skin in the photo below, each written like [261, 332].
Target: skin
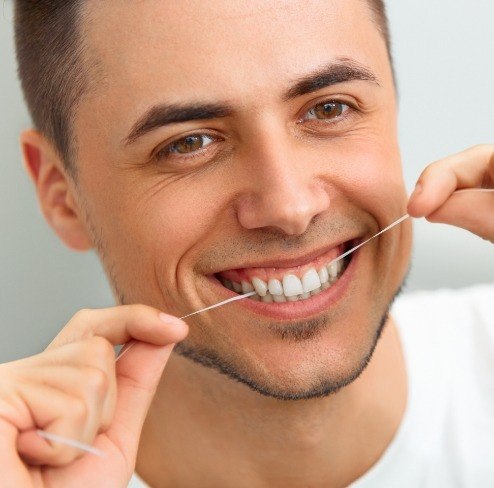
[270, 185]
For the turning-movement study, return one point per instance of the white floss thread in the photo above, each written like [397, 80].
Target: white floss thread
[92, 450]
[70, 442]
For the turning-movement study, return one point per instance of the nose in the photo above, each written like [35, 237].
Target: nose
[283, 190]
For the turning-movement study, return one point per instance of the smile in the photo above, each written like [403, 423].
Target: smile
[277, 285]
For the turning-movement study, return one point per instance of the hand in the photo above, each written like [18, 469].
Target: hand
[434, 196]
[74, 389]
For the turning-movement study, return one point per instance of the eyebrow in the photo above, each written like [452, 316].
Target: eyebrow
[342, 70]
[166, 114]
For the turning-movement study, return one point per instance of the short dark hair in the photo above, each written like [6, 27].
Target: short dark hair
[51, 56]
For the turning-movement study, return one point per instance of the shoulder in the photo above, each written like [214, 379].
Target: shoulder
[451, 324]
[136, 482]
[448, 342]
[452, 312]
[478, 297]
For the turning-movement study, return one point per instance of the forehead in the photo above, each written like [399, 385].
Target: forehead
[225, 47]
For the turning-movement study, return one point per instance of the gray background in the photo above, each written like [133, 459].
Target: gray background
[444, 55]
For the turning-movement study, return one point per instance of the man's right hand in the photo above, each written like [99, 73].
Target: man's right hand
[76, 390]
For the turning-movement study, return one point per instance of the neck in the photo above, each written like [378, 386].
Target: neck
[220, 433]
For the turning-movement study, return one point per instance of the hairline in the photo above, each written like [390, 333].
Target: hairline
[81, 82]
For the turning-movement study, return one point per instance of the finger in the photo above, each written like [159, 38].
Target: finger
[97, 388]
[121, 324]
[63, 368]
[13, 469]
[57, 413]
[473, 211]
[138, 374]
[96, 356]
[473, 168]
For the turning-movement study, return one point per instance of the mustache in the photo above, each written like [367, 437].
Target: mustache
[273, 241]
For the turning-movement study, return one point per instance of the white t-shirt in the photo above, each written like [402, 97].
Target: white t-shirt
[446, 438]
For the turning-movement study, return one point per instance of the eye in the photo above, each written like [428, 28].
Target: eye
[326, 111]
[190, 144]
[186, 146]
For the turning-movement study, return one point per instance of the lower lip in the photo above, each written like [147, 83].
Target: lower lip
[302, 308]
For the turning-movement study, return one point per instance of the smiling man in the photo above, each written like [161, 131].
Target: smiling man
[207, 150]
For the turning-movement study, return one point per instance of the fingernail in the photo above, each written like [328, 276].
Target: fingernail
[171, 320]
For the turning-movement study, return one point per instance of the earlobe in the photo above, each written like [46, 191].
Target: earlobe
[55, 190]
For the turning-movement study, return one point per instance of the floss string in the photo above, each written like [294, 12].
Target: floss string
[97, 452]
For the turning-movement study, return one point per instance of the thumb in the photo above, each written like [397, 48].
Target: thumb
[138, 374]
[473, 211]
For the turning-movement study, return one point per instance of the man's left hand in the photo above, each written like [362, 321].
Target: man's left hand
[435, 199]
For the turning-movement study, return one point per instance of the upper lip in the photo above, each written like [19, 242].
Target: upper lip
[289, 262]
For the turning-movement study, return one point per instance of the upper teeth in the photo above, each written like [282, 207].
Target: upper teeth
[292, 287]
[260, 286]
[311, 280]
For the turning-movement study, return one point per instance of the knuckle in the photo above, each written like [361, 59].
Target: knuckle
[101, 348]
[140, 310]
[82, 314]
[96, 381]
[78, 410]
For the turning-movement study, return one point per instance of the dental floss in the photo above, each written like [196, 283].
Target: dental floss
[240, 297]
[220, 304]
[71, 443]
[344, 255]
[479, 190]
[97, 452]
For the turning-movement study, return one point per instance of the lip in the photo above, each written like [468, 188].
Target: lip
[294, 262]
[303, 308]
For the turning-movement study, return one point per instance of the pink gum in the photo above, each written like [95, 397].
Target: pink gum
[247, 274]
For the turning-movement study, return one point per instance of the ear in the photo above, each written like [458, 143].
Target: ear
[55, 190]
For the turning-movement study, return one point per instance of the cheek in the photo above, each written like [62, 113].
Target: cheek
[173, 219]
[152, 225]
[372, 178]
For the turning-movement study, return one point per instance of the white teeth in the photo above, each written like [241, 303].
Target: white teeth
[279, 298]
[323, 275]
[275, 287]
[292, 286]
[311, 281]
[333, 270]
[260, 286]
[247, 287]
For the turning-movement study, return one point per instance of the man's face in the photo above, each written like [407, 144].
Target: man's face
[287, 156]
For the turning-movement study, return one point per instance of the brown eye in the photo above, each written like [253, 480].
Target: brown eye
[188, 144]
[327, 111]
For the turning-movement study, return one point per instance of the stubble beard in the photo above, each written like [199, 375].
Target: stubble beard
[296, 332]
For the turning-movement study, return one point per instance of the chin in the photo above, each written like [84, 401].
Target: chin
[308, 360]
[311, 341]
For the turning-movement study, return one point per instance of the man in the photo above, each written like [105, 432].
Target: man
[213, 147]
